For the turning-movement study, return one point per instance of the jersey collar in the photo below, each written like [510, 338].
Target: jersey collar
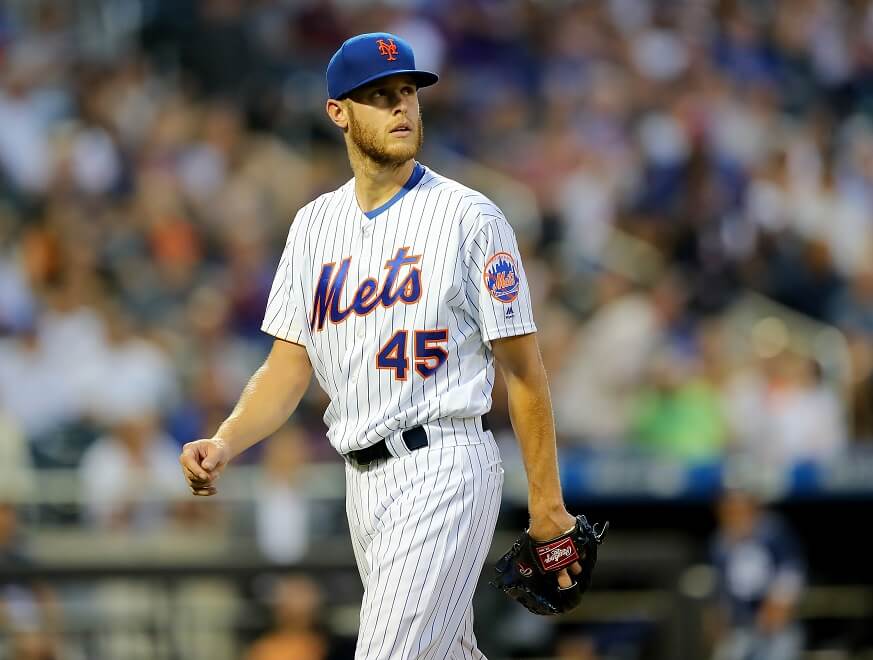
[411, 182]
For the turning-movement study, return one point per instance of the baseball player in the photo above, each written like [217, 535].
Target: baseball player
[399, 290]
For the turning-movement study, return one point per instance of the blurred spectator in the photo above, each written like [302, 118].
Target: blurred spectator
[130, 477]
[783, 412]
[297, 607]
[760, 579]
[282, 512]
[128, 376]
[679, 416]
[25, 117]
[36, 398]
[595, 388]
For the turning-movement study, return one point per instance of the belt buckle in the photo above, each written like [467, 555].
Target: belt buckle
[353, 457]
[363, 457]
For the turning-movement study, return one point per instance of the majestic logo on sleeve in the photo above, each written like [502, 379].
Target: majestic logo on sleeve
[370, 295]
[501, 277]
[387, 49]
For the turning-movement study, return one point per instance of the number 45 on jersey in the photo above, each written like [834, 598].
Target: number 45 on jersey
[427, 352]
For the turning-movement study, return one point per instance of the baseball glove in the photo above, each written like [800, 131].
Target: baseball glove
[527, 573]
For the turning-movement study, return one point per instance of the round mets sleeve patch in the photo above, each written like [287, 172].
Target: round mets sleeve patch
[501, 277]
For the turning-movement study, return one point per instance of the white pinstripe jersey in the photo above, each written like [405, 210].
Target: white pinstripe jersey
[396, 307]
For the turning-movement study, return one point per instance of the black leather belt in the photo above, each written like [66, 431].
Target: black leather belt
[414, 438]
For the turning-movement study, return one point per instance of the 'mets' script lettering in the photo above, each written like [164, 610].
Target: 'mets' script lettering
[370, 294]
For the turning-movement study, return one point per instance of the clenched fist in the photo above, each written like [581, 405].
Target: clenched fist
[202, 463]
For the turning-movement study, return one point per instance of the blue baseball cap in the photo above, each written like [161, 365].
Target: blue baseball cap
[368, 57]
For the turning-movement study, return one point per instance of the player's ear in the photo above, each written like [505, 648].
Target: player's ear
[338, 113]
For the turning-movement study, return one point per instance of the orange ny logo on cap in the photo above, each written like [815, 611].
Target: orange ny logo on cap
[388, 49]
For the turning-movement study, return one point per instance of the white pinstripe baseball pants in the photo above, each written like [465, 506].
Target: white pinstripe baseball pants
[421, 527]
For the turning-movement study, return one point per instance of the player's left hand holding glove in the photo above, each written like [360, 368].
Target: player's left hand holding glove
[529, 572]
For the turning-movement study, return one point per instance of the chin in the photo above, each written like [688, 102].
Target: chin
[400, 153]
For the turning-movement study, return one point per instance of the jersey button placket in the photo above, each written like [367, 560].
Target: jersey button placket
[367, 232]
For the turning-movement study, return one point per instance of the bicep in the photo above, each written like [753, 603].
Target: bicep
[518, 356]
[290, 357]
[288, 370]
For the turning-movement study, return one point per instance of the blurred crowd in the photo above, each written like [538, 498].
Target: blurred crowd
[153, 153]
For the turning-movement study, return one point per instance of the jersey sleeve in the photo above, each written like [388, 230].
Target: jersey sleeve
[497, 289]
[285, 317]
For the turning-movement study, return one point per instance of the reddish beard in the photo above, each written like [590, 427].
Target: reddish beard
[375, 146]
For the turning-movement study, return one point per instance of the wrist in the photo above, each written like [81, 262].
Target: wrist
[224, 441]
[546, 508]
[546, 526]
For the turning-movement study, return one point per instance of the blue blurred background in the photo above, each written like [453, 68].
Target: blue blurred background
[691, 183]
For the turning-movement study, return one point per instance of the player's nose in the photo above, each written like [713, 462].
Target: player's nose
[401, 104]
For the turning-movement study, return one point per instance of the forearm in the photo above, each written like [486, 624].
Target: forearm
[530, 410]
[270, 397]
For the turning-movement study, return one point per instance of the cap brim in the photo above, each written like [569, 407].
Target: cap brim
[422, 79]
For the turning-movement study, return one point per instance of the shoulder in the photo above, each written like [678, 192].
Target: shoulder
[318, 210]
[470, 198]
[472, 207]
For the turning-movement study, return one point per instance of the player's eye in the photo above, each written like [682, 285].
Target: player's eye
[408, 89]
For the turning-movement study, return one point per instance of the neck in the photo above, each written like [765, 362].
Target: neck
[375, 183]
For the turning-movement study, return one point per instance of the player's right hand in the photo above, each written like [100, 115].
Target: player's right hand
[202, 463]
